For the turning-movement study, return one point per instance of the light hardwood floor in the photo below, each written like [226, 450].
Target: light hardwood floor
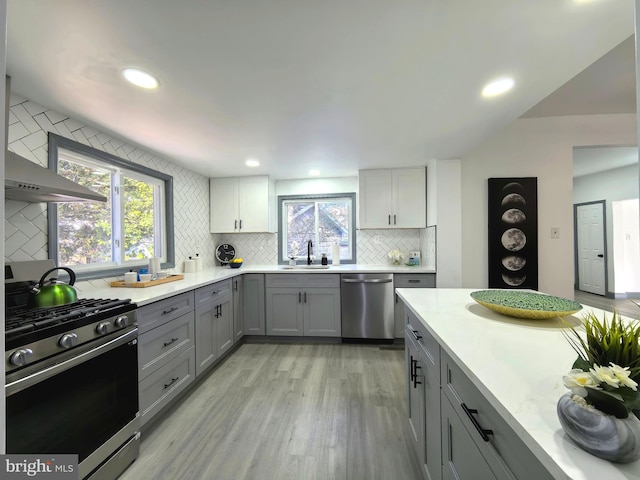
[288, 411]
[625, 307]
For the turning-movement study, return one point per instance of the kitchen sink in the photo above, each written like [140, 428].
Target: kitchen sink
[305, 267]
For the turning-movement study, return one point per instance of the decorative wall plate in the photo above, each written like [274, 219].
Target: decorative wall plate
[525, 304]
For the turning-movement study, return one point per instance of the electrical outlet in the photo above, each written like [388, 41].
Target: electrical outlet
[555, 232]
[377, 239]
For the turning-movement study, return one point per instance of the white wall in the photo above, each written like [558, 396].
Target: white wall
[543, 148]
[615, 184]
[626, 246]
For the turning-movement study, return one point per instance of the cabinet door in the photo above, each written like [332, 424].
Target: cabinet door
[375, 207]
[322, 312]
[409, 198]
[238, 324]
[223, 208]
[253, 205]
[205, 336]
[415, 397]
[284, 311]
[224, 326]
[253, 304]
[461, 458]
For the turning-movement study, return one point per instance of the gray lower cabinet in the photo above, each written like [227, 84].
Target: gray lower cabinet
[458, 434]
[303, 305]
[253, 313]
[166, 352]
[408, 280]
[238, 310]
[213, 323]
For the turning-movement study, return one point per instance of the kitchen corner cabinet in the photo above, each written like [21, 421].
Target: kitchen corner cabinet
[393, 198]
[303, 305]
[213, 323]
[238, 311]
[408, 280]
[166, 352]
[459, 436]
[242, 205]
[253, 314]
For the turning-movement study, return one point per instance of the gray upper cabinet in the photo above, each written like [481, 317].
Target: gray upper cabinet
[392, 198]
[242, 205]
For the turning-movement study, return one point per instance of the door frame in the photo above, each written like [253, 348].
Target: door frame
[575, 245]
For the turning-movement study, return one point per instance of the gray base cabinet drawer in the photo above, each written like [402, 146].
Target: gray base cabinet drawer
[502, 449]
[211, 293]
[408, 280]
[292, 280]
[163, 385]
[158, 313]
[163, 344]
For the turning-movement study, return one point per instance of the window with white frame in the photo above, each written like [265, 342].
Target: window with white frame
[101, 238]
[326, 220]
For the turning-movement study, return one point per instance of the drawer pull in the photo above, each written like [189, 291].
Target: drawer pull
[214, 292]
[484, 433]
[414, 280]
[171, 310]
[173, 380]
[173, 340]
[416, 335]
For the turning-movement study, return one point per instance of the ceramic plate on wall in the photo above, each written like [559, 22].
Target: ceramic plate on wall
[525, 304]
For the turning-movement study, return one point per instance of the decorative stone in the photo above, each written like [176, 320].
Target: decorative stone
[602, 435]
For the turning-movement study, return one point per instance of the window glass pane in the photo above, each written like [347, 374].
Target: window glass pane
[333, 227]
[139, 219]
[84, 229]
[300, 227]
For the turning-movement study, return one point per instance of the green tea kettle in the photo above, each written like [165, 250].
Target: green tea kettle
[53, 293]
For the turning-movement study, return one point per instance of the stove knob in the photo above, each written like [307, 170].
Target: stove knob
[121, 322]
[103, 328]
[20, 357]
[68, 340]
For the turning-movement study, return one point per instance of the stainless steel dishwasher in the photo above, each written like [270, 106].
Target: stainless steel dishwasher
[367, 305]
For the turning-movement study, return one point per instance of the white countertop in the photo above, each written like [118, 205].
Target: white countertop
[143, 296]
[518, 365]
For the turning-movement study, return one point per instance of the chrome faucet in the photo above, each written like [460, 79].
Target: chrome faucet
[309, 251]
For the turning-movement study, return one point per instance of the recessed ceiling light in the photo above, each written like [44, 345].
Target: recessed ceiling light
[314, 173]
[252, 162]
[497, 87]
[140, 78]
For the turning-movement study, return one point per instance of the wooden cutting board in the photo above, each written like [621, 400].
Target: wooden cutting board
[150, 283]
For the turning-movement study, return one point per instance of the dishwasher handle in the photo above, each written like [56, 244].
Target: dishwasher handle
[371, 280]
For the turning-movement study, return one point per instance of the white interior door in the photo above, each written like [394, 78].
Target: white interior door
[591, 254]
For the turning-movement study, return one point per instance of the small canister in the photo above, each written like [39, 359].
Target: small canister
[189, 266]
[198, 262]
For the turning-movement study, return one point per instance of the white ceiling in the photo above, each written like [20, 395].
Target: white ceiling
[332, 85]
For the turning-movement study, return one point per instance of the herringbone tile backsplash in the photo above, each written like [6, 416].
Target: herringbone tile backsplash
[26, 223]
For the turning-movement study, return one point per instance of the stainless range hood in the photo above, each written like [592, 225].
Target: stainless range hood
[25, 180]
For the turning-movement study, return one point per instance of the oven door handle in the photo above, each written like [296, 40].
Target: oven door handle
[41, 375]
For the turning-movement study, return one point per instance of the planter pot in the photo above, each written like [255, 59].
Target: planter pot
[602, 435]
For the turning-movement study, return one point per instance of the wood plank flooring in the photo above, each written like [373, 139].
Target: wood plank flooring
[623, 306]
[288, 411]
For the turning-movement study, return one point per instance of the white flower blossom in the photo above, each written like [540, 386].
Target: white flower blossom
[622, 374]
[606, 375]
[577, 380]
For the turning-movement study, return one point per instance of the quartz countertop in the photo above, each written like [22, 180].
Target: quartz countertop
[518, 366]
[191, 281]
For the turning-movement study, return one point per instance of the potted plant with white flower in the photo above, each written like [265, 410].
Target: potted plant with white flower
[604, 388]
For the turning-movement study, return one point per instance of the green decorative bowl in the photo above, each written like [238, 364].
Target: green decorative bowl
[519, 304]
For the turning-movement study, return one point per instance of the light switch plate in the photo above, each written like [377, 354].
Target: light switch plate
[555, 232]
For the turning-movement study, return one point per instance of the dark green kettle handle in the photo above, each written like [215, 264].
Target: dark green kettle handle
[72, 276]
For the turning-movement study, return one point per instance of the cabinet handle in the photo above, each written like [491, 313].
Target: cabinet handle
[214, 292]
[394, 218]
[414, 280]
[173, 380]
[415, 376]
[389, 219]
[235, 224]
[235, 285]
[305, 297]
[173, 340]
[484, 433]
[416, 335]
[171, 310]
[240, 224]
[299, 297]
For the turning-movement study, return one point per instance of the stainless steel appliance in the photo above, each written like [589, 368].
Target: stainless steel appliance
[71, 377]
[367, 306]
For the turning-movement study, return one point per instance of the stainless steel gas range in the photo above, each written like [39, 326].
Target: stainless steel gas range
[71, 377]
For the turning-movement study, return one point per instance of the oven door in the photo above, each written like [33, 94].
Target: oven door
[85, 405]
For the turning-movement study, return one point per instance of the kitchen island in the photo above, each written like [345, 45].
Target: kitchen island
[517, 365]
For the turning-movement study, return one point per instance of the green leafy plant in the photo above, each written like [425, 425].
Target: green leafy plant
[607, 370]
